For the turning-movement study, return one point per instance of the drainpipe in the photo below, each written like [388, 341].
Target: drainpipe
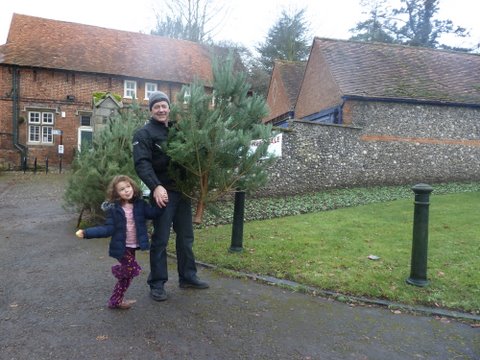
[15, 112]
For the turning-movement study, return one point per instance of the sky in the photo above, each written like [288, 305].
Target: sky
[242, 21]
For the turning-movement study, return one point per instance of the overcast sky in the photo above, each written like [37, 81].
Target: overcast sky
[243, 21]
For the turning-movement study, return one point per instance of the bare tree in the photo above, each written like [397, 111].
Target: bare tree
[194, 20]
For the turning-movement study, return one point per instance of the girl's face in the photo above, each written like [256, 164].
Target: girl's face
[125, 190]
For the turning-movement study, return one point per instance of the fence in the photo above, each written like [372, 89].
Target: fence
[37, 166]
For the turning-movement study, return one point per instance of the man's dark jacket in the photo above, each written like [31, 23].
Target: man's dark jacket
[150, 159]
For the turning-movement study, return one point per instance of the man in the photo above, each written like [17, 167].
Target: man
[151, 165]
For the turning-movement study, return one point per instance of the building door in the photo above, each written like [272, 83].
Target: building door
[85, 137]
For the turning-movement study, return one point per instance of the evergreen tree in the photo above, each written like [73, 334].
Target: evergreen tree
[109, 154]
[210, 143]
[286, 40]
[257, 76]
[413, 23]
[419, 27]
[373, 28]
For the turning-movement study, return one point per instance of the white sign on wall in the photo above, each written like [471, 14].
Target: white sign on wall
[274, 148]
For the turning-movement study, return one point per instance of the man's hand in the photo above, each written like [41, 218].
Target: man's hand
[161, 196]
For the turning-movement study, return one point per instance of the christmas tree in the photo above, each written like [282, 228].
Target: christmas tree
[109, 154]
[211, 142]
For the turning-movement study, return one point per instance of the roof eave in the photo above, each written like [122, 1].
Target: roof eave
[411, 101]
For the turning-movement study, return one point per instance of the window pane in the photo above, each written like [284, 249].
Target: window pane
[47, 136]
[149, 89]
[47, 118]
[85, 120]
[34, 133]
[186, 96]
[130, 89]
[34, 117]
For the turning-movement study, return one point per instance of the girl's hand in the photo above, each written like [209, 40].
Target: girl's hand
[79, 233]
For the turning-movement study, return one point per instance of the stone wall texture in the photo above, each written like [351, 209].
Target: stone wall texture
[385, 144]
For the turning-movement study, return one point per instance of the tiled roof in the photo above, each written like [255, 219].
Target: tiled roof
[396, 71]
[291, 73]
[44, 43]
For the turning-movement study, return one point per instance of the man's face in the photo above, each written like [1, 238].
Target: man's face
[160, 111]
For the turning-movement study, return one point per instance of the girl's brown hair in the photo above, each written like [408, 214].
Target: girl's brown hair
[112, 194]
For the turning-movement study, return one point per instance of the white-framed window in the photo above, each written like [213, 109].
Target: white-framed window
[186, 95]
[47, 118]
[40, 127]
[213, 98]
[130, 89]
[85, 120]
[149, 89]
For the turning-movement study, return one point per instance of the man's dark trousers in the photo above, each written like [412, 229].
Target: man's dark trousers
[179, 213]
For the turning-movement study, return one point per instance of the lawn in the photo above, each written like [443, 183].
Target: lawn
[329, 250]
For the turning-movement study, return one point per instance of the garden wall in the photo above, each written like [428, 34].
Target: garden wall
[384, 144]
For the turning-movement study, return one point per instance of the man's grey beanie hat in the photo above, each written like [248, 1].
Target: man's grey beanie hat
[156, 97]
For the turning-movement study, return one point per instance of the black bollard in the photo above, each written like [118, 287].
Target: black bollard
[237, 227]
[418, 272]
[46, 165]
[24, 164]
[35, 165]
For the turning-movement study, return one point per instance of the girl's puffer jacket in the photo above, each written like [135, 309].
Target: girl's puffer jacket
[116, 226]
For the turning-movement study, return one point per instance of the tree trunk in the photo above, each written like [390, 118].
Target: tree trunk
[80, 217]
[197, 219]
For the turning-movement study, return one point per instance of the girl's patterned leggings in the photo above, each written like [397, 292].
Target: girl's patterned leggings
[124, 272]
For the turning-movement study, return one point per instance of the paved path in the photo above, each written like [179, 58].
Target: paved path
[54, 287]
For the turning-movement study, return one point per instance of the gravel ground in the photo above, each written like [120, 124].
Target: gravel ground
[54, 288]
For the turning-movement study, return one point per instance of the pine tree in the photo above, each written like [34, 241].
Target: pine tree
[373, 28]
[288, 39]
[109, 154]
[415, 23]
[210, 144]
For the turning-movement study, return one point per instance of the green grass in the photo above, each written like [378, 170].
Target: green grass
[329, 250]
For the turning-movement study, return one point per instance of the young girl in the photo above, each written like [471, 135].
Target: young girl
[126, 224]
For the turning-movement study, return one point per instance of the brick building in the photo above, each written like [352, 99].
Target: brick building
[375, 114]
[49, 71]
[283, 90]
